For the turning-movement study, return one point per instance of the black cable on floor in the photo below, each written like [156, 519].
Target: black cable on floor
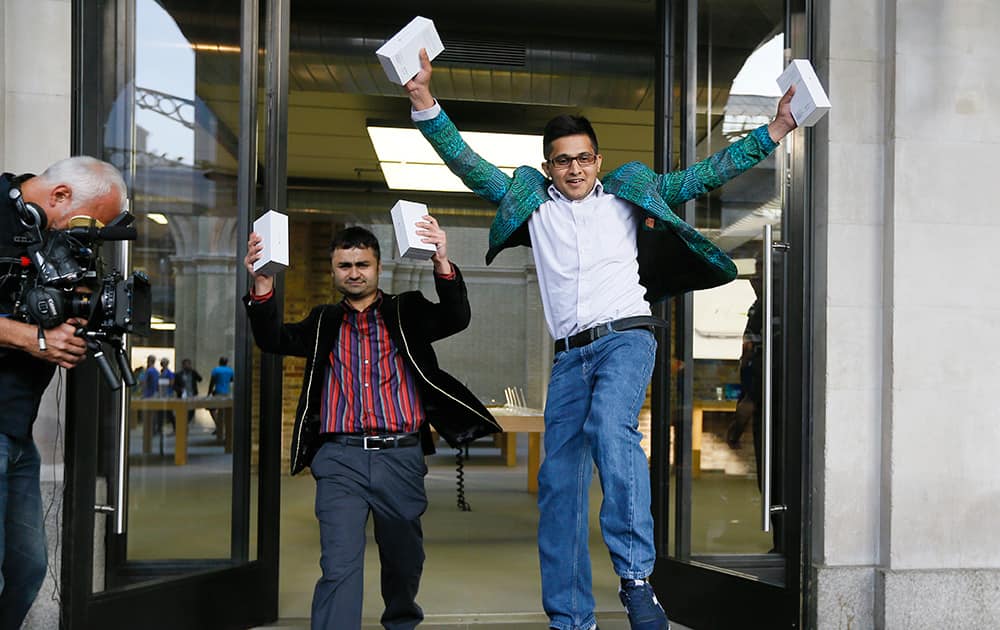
[463, 505]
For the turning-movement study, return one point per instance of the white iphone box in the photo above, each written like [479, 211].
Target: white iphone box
[810, 102]
[405, 215]
[272, 227]
[400, 56]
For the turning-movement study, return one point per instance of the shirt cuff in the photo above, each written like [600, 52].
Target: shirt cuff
[421, 115]
[450, 276]
[261, 298]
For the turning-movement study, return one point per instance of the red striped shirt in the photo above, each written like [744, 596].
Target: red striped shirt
[369, 387]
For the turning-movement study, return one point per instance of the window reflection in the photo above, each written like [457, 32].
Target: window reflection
[182, 156]
[737, 93]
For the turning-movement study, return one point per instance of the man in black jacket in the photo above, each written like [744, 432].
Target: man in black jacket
[371, 386]
[29, 204]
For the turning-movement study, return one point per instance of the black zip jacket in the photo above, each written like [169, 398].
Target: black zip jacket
[23, 378]
[414, 322]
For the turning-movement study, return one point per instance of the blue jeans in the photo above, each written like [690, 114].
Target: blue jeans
[591, 415]
[23, 555]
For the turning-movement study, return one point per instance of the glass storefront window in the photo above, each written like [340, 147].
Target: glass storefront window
[739, 64]
[182, 153]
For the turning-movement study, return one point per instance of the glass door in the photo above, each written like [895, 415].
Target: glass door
[730, 492]
[172, 501]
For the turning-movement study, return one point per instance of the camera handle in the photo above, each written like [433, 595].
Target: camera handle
[123, 365]
[93, 340]
[102, 362]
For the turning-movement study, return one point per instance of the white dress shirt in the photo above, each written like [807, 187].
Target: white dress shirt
[586, 259]
[585, 255]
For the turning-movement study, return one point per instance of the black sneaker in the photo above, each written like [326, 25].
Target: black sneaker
[644, 611]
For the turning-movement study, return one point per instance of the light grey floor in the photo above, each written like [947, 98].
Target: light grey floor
[482, 566]
[481, 570]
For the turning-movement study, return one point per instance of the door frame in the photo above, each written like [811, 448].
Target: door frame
[211, 594]
[697, 586]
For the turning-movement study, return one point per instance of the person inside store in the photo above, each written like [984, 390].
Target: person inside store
[221, 378]
[604, 250]
[31, 205]
[220, 384]
[186, 384]
[372, 388]
[165, 389]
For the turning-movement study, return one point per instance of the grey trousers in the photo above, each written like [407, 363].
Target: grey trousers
[351, 483]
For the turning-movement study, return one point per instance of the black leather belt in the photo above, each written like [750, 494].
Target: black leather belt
[372, 442]
[618, 325]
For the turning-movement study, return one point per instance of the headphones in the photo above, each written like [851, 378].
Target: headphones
[30, 214]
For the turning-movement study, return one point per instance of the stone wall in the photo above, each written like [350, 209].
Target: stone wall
[906, 302]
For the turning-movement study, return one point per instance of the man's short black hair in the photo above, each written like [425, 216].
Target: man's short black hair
[356, 237]
[566, 125]
[223, 360]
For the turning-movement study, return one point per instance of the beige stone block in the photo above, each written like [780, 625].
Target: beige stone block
[851, 468]
[944, 483]
[38, 131]
[943, 348]
[857, 93]
[946, 267]
[855, 191]
[856, 29]
[854, 265]
[38, 59]
[946, 96]
[943, 182]
[944, 488]
[931, 27]
[854, 347]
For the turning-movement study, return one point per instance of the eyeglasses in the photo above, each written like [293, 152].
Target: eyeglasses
[563, 161]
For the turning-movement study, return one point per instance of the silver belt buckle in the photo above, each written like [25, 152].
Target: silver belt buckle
[364, 443]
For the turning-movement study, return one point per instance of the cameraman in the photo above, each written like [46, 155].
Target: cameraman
[76, 186]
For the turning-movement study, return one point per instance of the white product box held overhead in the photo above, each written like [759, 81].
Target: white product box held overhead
[400, 56]
[272, 227]
[810, 102]
[405, 215]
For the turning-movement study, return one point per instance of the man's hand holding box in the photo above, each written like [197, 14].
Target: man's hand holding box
[400, 56]
[272, 227]
[810, 103]
[405, 215]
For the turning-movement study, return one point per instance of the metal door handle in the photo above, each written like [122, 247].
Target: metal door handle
[767, 341]
[119, 490]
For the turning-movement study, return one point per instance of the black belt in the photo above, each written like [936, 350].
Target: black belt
[372, 442]
[618, 325]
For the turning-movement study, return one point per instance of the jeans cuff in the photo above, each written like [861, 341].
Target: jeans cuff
[634, 575]
[586, 625]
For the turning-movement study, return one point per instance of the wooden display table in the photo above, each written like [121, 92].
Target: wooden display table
[516, 420]
[180, 407]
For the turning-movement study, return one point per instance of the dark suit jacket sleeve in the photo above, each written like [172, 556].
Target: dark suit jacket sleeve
[452, 313]
[273, 335]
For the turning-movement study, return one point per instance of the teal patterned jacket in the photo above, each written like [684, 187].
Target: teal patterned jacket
[673, 256]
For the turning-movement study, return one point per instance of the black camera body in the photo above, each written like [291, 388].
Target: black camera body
[67, 283]
[63, 277]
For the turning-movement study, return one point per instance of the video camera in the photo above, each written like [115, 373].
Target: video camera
[62, 276]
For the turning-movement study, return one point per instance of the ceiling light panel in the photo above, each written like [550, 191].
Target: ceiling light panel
[409, 163]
